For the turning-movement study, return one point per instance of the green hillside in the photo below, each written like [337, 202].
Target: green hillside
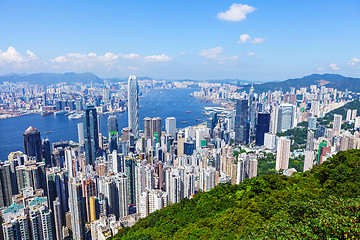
[322, 203]
[329, 117]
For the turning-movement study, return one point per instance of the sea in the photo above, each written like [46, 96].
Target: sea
[153, 103]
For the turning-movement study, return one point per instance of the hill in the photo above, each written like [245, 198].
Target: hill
[329, 117]
[52, 78]
[319, 204]
[329, 80]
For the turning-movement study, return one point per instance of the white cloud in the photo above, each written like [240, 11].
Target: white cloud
[354, 61]
[182, 53]
[131, 56]
[320, 69]
[12, 56]
[158, 58]
[236, 13]
[251, 54]
[216, 53]
[246, 38]
[334, 66]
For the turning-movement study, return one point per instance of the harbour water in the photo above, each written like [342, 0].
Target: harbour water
[155, 103]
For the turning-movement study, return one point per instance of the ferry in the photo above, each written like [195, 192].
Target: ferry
[188, 112]
[48, 132]
[60, 113]
[75, 116]
[198, 120]
[184, 122]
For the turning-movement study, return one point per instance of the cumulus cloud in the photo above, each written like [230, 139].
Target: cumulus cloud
[236, 13]
[131, 56]
[246, 38]
[217, 54]
[11, 56]
[334, 66]
[158, 58]
[354, 61]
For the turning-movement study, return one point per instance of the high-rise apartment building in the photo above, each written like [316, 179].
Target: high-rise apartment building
[170, 126]
[133, 105]
[77, 209]
[337, 125]
[283, 154]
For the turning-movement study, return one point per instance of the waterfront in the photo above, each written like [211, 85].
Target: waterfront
[155, 103]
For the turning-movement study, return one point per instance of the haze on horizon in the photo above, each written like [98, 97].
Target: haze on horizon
[250, 40]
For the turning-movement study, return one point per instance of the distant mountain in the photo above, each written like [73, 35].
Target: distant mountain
[329, 80]
[50, 78]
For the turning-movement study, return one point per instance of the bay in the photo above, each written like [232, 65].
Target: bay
[154, 103]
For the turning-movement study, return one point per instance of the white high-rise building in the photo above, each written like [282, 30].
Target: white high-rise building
[337, 125]
[309, 160]
[270, 141]
[348, 115]
[207, 179]
[133, 105]
[286, 117]
[354, 114]
[170, 126]
[200, 135]
[121, 194]
[283, 154]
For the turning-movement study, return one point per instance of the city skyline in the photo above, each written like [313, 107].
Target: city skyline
[193, 40]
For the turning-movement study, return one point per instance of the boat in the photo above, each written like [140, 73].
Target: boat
[75, 116]
[48, 132]
[198, 120]
[188, 112]
[184, 122]
[60, 113]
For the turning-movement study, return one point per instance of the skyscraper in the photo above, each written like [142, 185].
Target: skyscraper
[337, 125]
[286, 120]
[77, 209]
[170, 126]
[133, 105]
[91, 135]
[46, 152]
[241, 123]
[113, 130]
[263, 125]
[283, 154]
[32, 143]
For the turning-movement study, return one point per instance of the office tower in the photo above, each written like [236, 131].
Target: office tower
[80, 127]
[121, 195]
[147, 127]
[189, 148]
[252, 114]
[337, 125]
[309, 160]
[91, 135]
[310, 141]
[320, 131]
[113, 132]
[58, 219]
[200, 137]
[180, 143]
[130, 174]
[170, 126]
[77, 209]
[6, 182]
[241, 123]
[286, 117]
[263, 125]
[46, 152]
[133, 105]
[283, 154]
[32, 143]
[246, 168]
[312, 123]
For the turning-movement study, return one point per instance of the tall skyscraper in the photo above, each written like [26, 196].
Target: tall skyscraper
[283, 154]
[263, 126]
[286, 117]
[77, 209]
[241, 123]
[170, 126]
[81, 139]
[133, 105]
[32, 143]
[121, 194]
[312, 123]
[113, 130]
[91, 135]
[46, 152]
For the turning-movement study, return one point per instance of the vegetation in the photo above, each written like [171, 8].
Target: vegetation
[298, 137]
[319, 204]
[329, 117]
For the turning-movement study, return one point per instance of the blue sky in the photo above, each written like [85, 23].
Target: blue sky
[251, 40]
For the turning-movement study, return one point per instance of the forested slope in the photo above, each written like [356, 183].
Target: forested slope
[319, 204]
